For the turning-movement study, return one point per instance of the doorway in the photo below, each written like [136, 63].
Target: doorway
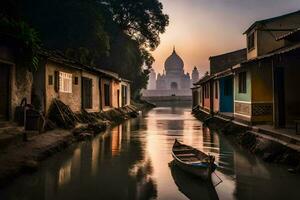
[87, 93]
[4, 91]
[174, 86]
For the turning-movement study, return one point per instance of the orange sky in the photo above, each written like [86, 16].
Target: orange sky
[202, 28]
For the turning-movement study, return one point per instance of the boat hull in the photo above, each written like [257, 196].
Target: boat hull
[199, 171]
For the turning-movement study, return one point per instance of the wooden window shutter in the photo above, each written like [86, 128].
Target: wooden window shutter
[56, 81]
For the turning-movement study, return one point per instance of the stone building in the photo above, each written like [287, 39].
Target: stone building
[173, 82]
[173, 77]
[76, 85]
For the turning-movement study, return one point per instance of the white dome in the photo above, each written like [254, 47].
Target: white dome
[174, 62]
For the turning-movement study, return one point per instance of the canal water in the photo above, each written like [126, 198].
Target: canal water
[133, 161]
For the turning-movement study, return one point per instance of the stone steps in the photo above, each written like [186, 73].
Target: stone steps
[269, 137]
[290, 139]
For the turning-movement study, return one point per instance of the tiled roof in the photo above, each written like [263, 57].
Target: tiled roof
[204, 79]
[59, 57]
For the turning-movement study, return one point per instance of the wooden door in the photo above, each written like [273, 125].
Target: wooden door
[87, 93]
[279, 97]
[4, 91]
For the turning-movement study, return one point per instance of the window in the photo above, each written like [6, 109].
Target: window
[76, 80]
[65, 82]
[216, 90]
[243, 82]
[106, 95]
[124, 95]
[50, 80]
[250, 42]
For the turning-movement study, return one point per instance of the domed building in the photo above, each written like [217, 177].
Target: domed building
[173, 82]
[173, 77]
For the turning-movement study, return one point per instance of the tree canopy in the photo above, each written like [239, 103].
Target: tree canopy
[113, 34]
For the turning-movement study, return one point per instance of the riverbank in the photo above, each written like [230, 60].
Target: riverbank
[24, 157]
[271, 147]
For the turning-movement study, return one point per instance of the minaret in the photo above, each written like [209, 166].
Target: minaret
[195, 75]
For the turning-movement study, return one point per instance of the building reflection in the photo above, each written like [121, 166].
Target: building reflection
[64, 174]
[211, 142]
[95, 155]
[116, 140]
[146, 187]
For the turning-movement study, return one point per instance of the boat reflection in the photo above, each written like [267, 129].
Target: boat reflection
[192, 187]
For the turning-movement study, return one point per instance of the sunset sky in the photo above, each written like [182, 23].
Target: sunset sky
[203, 28]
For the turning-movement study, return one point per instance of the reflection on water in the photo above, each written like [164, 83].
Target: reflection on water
[131, 161]
[190, 186]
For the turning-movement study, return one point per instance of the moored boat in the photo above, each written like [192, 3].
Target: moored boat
[190, 185]
[193, 160]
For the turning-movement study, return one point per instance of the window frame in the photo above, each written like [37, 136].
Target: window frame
[124, 95]
[251, 41]
[242, 82]
[65, 82]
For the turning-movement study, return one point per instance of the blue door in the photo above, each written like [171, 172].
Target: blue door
[226, 94]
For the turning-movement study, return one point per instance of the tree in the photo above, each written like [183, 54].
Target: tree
[113, 34]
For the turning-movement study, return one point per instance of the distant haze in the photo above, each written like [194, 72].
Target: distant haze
[203, 28]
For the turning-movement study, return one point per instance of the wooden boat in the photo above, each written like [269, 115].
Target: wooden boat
[193, 160]
[190, 185]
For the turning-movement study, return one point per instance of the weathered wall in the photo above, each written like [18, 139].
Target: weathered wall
[262, 92]
[71, 99]
[20, 83]
[22, 86]
[38, 87]
[95, 91]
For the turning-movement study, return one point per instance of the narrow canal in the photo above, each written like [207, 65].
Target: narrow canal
[131, 161]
